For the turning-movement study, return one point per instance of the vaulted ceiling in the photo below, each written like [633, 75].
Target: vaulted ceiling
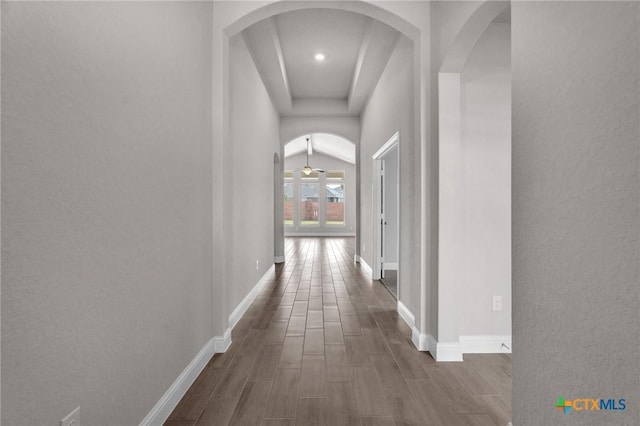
[356, 49]
[322, 143]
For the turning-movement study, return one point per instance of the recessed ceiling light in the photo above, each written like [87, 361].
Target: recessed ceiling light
[319, 57]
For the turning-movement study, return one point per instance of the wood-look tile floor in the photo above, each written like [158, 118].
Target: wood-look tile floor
[323, 345]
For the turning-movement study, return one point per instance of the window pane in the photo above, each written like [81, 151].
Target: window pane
[288, 203]
[335, 204]
[309, 203]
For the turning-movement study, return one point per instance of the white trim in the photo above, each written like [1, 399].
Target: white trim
[390, 266]
[319, 234]
[278, 259]
[218, 344]
[356, 258]
[165, 406]
[366, 266]
[239, 311]
[223, 342]
[406, 315]
[388, 146]
[377, 198]
[485, 344]
[422, 341]
[448, 351]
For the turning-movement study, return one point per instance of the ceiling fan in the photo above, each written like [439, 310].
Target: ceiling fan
[307, 170]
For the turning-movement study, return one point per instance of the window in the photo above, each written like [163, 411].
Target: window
[321, 199]
[309, 203]
[335, 203]
[288, 197]
[334, 192]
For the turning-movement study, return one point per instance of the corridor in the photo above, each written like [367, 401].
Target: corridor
[323, 345]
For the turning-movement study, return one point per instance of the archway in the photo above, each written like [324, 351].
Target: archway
[411, 20]
[452, 210]
[322, 201]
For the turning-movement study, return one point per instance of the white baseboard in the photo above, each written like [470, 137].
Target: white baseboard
[218, 344]
[223, 342]
[452, 351]
[390, 266]
[278, 259]
[422, 341]
[163, 408]
[356, 258]
[448, 352]
[319, 234]
[485, 344]
[366, 267]
[239, 311]
[406, 315]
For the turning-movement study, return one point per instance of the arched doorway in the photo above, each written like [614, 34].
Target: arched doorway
[463, 205]
[412, 21]
[321, 201]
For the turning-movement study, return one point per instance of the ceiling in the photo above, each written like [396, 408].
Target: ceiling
[356, 49]
[322, 143]
[337, 35]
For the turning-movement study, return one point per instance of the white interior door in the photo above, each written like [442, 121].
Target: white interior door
[380, 193]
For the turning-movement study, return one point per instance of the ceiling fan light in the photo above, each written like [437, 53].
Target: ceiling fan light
[307, 170]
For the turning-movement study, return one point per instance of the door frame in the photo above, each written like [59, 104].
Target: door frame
[377, 198]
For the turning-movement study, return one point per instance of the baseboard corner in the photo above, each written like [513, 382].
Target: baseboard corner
[223, 342]
[448, 352]
[422, 341]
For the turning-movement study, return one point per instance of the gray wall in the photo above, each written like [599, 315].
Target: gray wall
[484, 263]
[446, 20]
[106, 193]
[317, 160]
[254, 138]
[576, 163]
[390, 109]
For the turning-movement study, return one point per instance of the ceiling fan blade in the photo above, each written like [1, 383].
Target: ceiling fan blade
[318, 170]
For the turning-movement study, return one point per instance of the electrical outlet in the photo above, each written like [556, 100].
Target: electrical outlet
[497, 303]
[72, 419]
[257, 265]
